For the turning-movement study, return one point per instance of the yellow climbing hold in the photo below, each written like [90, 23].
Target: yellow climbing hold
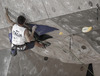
[60, 33]
[86, 29]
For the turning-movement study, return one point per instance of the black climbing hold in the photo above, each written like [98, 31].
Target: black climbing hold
[83, 47]
[45, 58]
[90, 4]
[79, 7]
[23, 75]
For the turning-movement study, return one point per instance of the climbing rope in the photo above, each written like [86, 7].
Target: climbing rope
[70, 48]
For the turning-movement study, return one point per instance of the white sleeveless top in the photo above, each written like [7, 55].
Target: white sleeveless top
[18, 37]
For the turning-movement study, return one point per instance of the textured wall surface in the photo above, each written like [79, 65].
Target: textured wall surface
[36, 10]
[61, 44]
[96, 68]
[5, 59]
[32, 64]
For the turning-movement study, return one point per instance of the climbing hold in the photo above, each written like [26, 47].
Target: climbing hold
[79, 7]
[90, 4]
[86, 29]
[60, 33]
[83, 47]
[82, 68]
[45, 58]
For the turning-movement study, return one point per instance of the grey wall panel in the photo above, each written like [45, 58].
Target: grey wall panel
[41, 9]
[61, 7]
[5, 59]
[32, 9]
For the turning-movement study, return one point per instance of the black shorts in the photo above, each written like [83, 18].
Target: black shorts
[30, 45]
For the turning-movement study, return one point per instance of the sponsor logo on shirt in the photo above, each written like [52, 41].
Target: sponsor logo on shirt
[17, 33]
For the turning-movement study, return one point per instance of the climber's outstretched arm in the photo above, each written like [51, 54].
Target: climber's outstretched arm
[8, 18]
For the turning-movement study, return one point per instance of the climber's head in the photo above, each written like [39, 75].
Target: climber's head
[21, 20]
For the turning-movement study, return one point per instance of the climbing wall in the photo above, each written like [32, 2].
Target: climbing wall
[29, 64]
[35, 10]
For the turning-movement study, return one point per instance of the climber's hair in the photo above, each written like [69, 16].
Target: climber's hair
[21, 20]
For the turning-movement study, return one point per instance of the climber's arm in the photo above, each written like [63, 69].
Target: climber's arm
[8, 18]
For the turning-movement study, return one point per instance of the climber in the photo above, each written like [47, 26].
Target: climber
[21, 39]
